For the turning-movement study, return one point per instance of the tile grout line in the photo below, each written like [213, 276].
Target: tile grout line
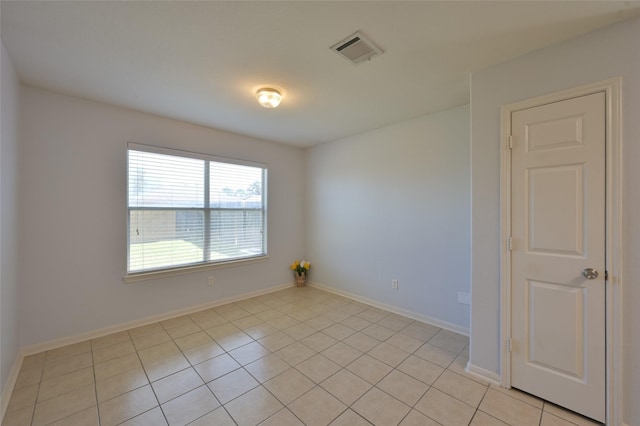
[192, 366]
[95, 383]
[148, 384]
[35, 403]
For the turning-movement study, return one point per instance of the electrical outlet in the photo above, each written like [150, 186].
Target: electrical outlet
[210, 279]
[464, 298]
[394, 284]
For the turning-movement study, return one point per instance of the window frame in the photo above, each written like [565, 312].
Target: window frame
[207, 264]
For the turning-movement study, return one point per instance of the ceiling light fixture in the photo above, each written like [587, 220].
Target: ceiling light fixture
[268, 98]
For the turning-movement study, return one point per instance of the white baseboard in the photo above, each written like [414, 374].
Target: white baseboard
[482, 373]
[396, 310]
[94, 334]
[7, 389]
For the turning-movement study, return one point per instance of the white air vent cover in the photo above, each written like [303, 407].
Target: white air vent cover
[356, 48]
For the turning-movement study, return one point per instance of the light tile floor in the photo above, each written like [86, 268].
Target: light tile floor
[300, 356]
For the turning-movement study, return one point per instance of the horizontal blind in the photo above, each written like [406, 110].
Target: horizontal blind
[188, 211]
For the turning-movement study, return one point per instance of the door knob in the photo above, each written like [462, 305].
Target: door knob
[590, 273]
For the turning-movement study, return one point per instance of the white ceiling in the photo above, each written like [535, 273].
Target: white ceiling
[203, 61]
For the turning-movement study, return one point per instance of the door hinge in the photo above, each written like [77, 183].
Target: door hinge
[509, 345]
[509, 244]
[510, 141]
[606, 275]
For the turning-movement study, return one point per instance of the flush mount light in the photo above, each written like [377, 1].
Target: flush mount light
[268, 98]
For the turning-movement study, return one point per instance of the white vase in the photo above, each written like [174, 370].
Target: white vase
[301, 279]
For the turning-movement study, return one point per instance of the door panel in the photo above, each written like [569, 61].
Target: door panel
[556, 343]
[556, 133]
[558, 224]
[556, 210]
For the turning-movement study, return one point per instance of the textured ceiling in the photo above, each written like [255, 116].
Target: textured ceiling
[203, 61]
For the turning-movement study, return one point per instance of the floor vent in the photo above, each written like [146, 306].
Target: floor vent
[356, 48]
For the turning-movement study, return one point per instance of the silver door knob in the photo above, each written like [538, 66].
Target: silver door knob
[590, 273]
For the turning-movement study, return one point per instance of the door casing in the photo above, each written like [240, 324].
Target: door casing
[613, 243]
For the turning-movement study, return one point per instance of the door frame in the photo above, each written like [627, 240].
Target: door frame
[613, 230]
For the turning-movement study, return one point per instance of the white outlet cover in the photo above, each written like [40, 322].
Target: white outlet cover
[464, 298]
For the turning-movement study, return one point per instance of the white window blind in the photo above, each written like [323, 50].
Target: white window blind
[188, 209]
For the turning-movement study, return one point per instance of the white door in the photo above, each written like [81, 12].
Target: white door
[558, 235]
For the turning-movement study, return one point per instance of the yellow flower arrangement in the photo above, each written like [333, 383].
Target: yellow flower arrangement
[300, 266]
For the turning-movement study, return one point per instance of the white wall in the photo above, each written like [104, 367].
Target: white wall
[73, 216]
[394, 204]
[600, 55]
[9, 106]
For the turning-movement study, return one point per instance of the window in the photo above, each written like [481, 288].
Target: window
[187, 209]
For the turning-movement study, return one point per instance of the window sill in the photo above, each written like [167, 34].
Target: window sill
[144, 276]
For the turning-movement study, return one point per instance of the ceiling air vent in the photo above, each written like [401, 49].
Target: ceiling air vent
[356, 48]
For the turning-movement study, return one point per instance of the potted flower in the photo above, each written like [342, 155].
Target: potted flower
[300, 271]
